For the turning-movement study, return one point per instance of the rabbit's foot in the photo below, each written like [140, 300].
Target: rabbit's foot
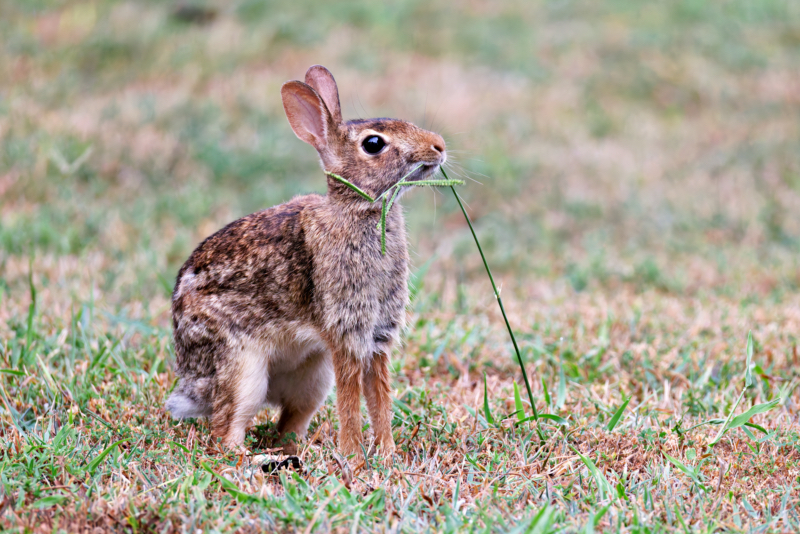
[382, 454]
[356, 459]
[289, 443]
[290, 449]
[269, 436]
[237, 448]
[382, 447]
[386, 448]
[351, 448]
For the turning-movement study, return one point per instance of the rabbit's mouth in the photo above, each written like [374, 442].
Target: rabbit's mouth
[422, 171]
[425, 170]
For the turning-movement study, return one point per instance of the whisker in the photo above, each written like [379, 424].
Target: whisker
[425, 113]
[468, 171]
[361, 104]
[462, 199]
[462, 173]
[355, 108]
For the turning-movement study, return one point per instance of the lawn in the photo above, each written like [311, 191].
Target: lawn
[633, 171]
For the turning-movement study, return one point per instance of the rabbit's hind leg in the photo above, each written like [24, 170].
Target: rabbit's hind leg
[241, 391]
[300, 393]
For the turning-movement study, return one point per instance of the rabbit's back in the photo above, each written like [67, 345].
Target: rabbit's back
[250, 275]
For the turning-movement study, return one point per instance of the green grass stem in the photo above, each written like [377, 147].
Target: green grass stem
[499, 301]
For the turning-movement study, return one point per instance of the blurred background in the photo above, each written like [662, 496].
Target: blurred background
[648, 148]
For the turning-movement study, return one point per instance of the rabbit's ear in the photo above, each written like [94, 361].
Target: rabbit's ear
[322, 81]
[307, 114]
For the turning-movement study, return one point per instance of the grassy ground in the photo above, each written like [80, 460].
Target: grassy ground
[639, 169]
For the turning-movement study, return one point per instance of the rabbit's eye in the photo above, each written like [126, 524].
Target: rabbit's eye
[373, 144]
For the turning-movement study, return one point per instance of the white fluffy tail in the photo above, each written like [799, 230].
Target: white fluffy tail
[181, 406]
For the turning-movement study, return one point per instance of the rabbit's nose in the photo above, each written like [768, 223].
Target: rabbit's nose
[438, 146]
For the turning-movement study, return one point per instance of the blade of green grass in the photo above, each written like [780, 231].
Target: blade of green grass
[395, 191]
[548, 416]
[47, 502]
[538, 523]
[231, 488]
[599, 515]
[688, 471]
[748, 373]
[518, 403]
[721, 421]
[352, 186]
[742, 419]
[383, 226]
[680, 518]
[11, 411]
[175, 444]
[48, 378]
[546, 393]
[94, 464]
[555, 418]
[615, 418]
[31, 315]
[486, 412]
[727, 421]
[603, 485]
[437, 183]
[542, 521]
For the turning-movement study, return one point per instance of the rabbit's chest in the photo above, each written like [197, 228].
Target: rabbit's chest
[371, 272]
[361, 291]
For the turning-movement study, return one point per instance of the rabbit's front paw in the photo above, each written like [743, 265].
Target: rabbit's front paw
[383, 449]
[387, 448]
[350, 444]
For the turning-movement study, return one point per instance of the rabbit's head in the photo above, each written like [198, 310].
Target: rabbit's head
[374, 154]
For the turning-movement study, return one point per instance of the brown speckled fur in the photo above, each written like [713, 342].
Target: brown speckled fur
[277, 305]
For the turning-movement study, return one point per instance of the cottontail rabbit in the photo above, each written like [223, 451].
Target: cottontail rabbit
[273, 307]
